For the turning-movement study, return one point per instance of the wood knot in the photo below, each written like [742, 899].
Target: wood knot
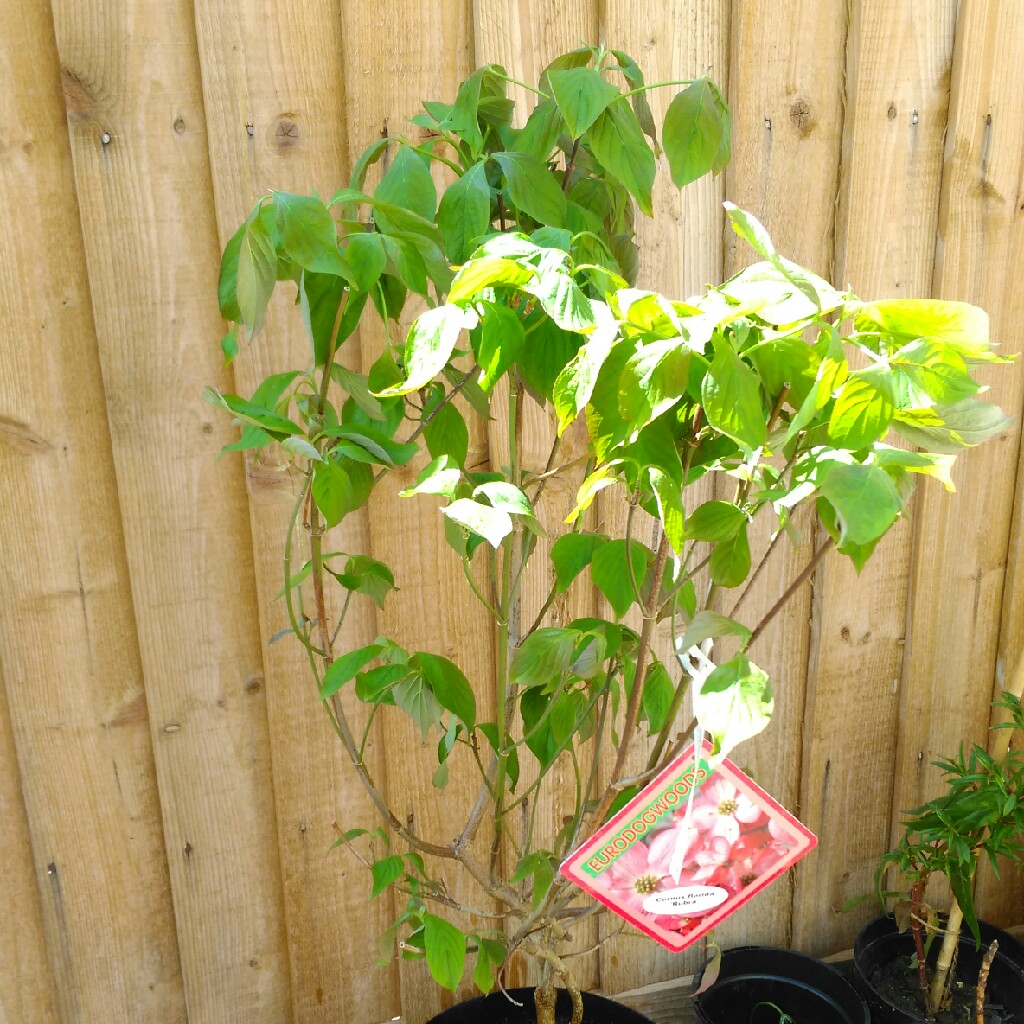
[179, 126]
[284, 134]
[254, 685]
[800, 116]
[78, 96]
[891, 112]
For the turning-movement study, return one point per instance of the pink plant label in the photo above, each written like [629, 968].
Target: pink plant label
[677, 876]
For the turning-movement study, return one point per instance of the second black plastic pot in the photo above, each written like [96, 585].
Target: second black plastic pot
[497, 1009]
[808, 990]
[880, 943]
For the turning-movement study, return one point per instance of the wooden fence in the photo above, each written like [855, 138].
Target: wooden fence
[167, 781]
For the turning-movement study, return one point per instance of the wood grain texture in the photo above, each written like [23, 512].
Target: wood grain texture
[397, 56]
[959, 569]
[680, 253]
[151, 247]
[274, 91]
[27, 991]
[787, 141]
[71, 668]
[897, 90]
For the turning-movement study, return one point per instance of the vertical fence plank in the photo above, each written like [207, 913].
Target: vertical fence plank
[961, 540]
[144, 188]
[680, 253]
[396, 56]
[788, 117]
[275, 99]
[525, 39]
[71, 667]
[27, 992]
[897, 73]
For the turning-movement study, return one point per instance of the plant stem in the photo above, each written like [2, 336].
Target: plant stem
[979, 994]
[916, 896]
[655, 85]
[633, 708]
[942, 965]
[791, 590]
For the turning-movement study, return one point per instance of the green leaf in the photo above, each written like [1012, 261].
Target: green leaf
[657, 696]
[540, 132]
[590, 488]
[366, 575]
[533, 188]
[697, 132]
[229, 344]
[447, 434]
[574, 386]
[273, 423]
[865, 499]
[544, 656]
[498, 343]
[502, 494]
[937, 369]
[861, 414]
[571, 554]
[408, 184]
[386, 872]
[654, 380]
[563, 301]
[581, 94]
[377, 685]
[928, 463]
[488, 272]
[634, 76]
[611, 576]
[346, 667]
[449, 686]
[446, 951]
[437, 477]
[227, 284]
[731, 396]
[429, 345]
[309, 234]
[707, 624]
[405, 262]
[668, 496]
[483, 973]
[366, 256]
[340, 487]
[952, 427]
[367, 159]
[465, 213]
[619, 144]
[730, 561]
[959, 324]
[545, 354]
[493, 524]
[415, 698]
[715, 521]
[257, 272]
[734, 703]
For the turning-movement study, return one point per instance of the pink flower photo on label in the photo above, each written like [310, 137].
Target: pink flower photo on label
[694, 839]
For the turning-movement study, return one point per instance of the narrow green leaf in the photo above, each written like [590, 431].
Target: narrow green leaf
[498, 343]
[257, 273]
[619, 144]
[657, 696]
[668, 496]
[465, 213]
[345, 668]
[227, 284]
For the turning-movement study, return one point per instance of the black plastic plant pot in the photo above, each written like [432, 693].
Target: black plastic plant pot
[882, 962]
[756, 982]
[496, 1008]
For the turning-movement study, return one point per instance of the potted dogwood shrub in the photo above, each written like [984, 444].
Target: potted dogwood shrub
[524, 268]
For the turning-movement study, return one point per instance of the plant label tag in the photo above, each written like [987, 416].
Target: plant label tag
[689, 850]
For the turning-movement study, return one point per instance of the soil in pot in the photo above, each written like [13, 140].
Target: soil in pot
[751, 977]
[883, 960]
[497, 1009]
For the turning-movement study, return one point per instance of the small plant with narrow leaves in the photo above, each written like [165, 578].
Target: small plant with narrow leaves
[525, 274]
[979, 816]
